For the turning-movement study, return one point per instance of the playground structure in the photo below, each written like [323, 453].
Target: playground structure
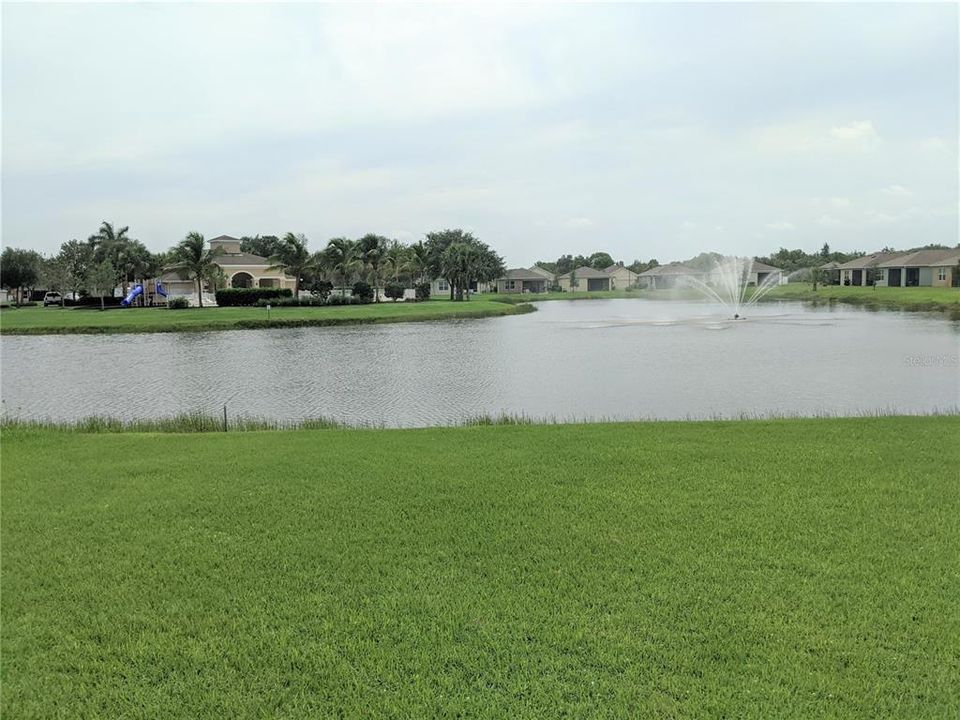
[148, 293]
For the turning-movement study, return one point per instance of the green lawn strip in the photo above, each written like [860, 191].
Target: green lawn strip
[50, 321]
[784, 568]
[903, 298]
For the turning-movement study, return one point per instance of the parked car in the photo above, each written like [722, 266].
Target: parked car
[52, 298]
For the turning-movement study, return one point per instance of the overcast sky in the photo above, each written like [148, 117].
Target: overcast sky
[644, 130]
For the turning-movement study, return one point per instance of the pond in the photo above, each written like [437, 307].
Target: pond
[597, 359]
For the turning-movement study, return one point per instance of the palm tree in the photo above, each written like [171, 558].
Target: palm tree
[340, 258]
[195, 260]
[419, 260]
[372, 250]
[396, 258]
[110, 244]
[294, 259]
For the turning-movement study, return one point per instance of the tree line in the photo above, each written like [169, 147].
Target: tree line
[110, 258]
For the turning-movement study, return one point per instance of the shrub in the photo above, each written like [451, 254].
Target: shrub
[231, 297]
[292, 302]
[393, 290]
[422, 290]
[340, 300]
[362, 292]
[321, 289]
[178, 303]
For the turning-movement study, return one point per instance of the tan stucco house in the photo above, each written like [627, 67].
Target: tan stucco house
[525, 280]
[621, 277]
[242, 270]
[924, 268]
[585, 279]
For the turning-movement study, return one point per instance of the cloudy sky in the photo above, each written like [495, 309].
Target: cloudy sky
[645, 130]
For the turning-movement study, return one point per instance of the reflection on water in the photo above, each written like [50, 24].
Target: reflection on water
[617, 359]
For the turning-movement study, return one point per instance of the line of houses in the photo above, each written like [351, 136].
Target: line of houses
[923, 268]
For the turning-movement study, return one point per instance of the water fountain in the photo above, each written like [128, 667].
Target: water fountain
[730, 283]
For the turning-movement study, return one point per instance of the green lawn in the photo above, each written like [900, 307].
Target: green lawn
[38, 320]
[912, 298]
[785, 568]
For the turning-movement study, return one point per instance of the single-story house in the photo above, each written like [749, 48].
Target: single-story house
[242, 270]
[763, 274]
[830, 272]
[524, 280]
[585, 279]
[439, 287]
[621, 276]
[863, 270]
[923, 268]
[670, 276]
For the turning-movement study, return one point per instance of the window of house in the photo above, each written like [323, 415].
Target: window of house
[442, 285]
[941, 273]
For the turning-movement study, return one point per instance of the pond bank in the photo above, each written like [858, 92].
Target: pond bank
[83, 321]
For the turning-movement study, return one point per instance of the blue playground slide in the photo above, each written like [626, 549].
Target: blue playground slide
[134, 293]
[161, 290]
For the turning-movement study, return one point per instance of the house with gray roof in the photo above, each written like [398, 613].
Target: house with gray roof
[663, 277]
[621, 277]
[923, 268]
[862, 271]
[524, 280]
[585, 279]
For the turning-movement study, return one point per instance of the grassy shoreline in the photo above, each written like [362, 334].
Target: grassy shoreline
[56, 321]
[886, 298]
[798, 568]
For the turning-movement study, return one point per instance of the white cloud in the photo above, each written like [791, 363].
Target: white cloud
[578, 222]
[897, 191]
[780, 226]
[861, 132]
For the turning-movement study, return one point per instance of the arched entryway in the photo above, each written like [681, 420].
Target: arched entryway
[242, 280]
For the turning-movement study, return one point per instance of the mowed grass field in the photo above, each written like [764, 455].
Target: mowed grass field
[39, 320]
[783, 568]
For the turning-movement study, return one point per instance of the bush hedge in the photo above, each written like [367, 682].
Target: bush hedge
[422, 290]
[178, 303]
[232, 297]
[362, 291]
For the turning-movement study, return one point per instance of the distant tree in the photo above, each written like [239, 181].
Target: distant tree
[76, 257]
[341, 259]
[437, 243]
[294, 259]
[55, 276]
[550, 267]
[128, 257]
[101, 280]
[262, 245]
[825, 251]
[467, 262]
[19, 269]
[638, 266]
[563, 265]
[601, 260]
[193, 259]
